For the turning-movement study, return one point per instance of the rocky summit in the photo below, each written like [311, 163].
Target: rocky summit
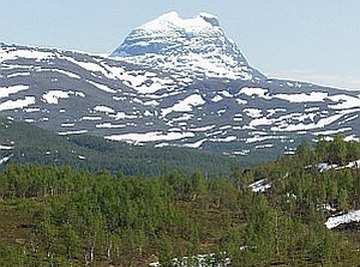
[196, 46]
[172, 82]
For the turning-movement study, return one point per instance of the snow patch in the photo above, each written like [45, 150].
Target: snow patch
[64, 72]
[185, 105]
[264, 146]
[18, 74]
[108, 125]
[72, 132]
[352, 216]
[260, 186]
[301, 98]
[32, 53]
[6, 147]
[203, 128]
[345, 102]
[102, 87]
[224, 139]
[67, 125]
[31, 110]
[19, 103]
[6, 91]
[331, 132]
[253, 112]
[104, 109]
[90, 118]
[5, 159]
[217, 98]
[53, 96]
[121, 116]
[259, 92]
[149, 137]
[197, 144]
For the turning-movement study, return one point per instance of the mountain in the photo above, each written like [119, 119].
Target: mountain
[173, 82]
[196, 47]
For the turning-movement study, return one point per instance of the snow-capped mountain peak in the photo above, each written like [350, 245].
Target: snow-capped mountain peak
[196, 46]
[173, 21]
[186, 85]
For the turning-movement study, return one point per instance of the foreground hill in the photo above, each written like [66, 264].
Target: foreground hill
[297, 213]
[172, 82]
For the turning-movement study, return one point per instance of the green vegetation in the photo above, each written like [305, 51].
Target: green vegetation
[58, 216]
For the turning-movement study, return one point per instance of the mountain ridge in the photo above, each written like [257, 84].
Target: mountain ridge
[129, 100]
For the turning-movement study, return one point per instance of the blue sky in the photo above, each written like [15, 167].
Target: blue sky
[315, 40]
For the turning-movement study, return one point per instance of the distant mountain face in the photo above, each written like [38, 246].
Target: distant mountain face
[196, 47]
[173, 82]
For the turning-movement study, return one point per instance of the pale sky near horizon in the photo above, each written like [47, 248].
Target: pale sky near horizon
[313, 40]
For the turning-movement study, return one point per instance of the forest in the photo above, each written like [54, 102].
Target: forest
[59, 216]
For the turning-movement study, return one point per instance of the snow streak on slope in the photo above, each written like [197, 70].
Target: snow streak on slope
[5, 159]
[149, 137]
[6, 91]
[17, 104]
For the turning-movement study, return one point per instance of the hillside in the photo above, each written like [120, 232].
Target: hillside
[28, 144]
[296, 211]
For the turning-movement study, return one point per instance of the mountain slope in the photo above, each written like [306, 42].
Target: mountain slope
[173, 82]
[25, 144]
